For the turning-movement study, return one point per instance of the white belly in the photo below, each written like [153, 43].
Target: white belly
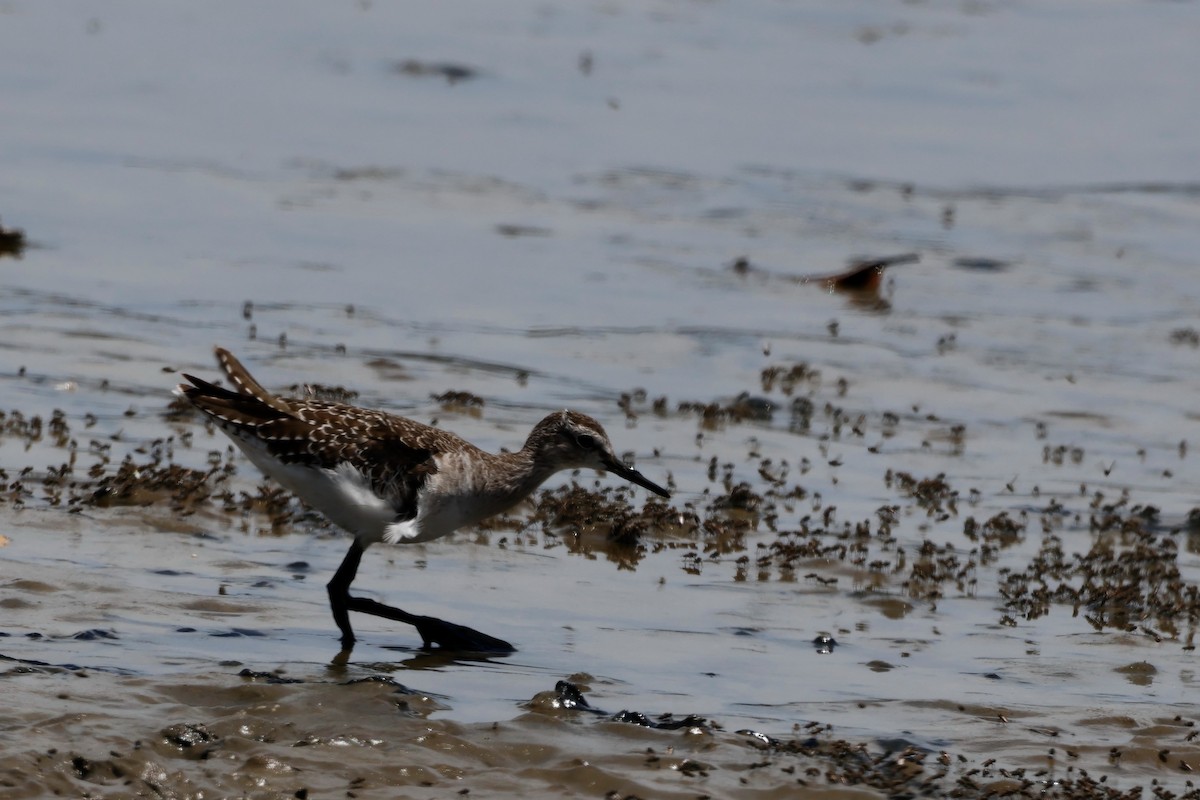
[454, 497]
[342, 495]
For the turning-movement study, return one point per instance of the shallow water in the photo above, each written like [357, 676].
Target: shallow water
[561, 229]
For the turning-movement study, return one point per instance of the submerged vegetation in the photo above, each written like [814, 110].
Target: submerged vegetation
[1108, 560]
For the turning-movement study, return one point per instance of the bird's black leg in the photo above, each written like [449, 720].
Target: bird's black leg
[339, 593]
[432, 630]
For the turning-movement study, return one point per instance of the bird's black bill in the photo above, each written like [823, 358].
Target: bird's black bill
[633, 476]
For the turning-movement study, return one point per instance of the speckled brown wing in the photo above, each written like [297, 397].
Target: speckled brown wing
[394, 454]
[389, 451]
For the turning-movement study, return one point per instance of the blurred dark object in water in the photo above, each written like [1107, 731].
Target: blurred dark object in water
[184, 736]
[323, 392]
[12, 242]
[981, 264]
[453, 73]
[1188, 336]
[748, 406]
[513, 230]
[267, 677]
[824, 644]
[864, 275]
[743, 407]
[760, 739]
[456, 400]
[569, 695]
[861, 280]
[741, 266]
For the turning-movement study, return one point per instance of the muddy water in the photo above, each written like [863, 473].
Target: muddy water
[977, 481]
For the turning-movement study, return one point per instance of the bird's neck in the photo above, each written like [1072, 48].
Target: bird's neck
[514, 477]
[484, 484]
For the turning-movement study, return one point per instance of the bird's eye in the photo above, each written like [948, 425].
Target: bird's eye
[585, 441]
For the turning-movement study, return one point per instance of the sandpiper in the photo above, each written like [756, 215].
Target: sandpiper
[385, 478]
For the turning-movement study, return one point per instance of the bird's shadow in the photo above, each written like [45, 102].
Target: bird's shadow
[440, 659]
[419, 658]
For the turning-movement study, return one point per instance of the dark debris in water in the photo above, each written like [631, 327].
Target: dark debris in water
[666, 722]
[574, 509]
[266, 677]
[233, 633]
[451, 71]
[824, 643]
[1128, 580]
[185, 736]
[461, 402]
[798, 381]
[25, 666]
[147, 475]
[981, 263]
[385, 680]
[513, 230]
[1186, 336]
[743, 408]
[93, 635]
[12, 242]
[322, 392]
[863, 275]
[568, 695]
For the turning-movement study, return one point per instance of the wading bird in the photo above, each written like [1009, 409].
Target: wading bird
[385, 478]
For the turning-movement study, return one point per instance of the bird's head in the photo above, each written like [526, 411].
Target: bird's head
[570, 440]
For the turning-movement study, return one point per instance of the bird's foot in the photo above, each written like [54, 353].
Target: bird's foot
[433, 631]
[449, 636]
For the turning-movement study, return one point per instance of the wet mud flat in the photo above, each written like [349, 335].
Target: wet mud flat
[930, 537]
[897, 306]
[112, 696]
[261, 736]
